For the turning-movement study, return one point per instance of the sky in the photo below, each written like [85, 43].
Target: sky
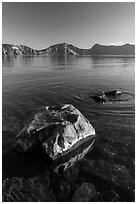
[42, 24]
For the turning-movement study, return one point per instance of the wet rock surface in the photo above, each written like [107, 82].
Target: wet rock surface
[88, 180]
[111, 96]
[26, 190]
[113, 93]
[77, 154]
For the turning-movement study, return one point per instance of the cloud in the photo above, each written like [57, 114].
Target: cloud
[116, 43]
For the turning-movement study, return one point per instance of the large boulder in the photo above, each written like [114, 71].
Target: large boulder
[59, 130]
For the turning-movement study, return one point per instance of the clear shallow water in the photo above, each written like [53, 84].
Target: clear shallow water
[30, 82]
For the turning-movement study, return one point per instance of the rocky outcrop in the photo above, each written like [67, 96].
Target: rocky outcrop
[64, 49]
[60, 130]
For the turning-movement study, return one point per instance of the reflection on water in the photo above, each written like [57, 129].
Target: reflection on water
[89, 61]
[30, 82]
[8, 61]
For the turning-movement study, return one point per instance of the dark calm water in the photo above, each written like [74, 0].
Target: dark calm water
[30, 82]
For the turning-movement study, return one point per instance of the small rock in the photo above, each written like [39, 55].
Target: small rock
[99, 98]
[107, 96]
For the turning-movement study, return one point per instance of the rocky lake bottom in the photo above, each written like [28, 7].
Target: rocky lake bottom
[107, 172]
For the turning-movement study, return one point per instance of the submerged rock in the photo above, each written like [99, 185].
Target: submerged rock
[115, 174]
[60, 131]
[111, 196]
[99, 99]
[71, 174]
[17, 189]
[60, 188]
[106, 96]
[86, 192]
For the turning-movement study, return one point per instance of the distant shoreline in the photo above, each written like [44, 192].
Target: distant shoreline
[65, 49]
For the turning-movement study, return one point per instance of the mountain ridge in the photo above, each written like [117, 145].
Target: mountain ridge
[65, 49]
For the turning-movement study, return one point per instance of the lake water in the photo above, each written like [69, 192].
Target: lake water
[30, 82]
